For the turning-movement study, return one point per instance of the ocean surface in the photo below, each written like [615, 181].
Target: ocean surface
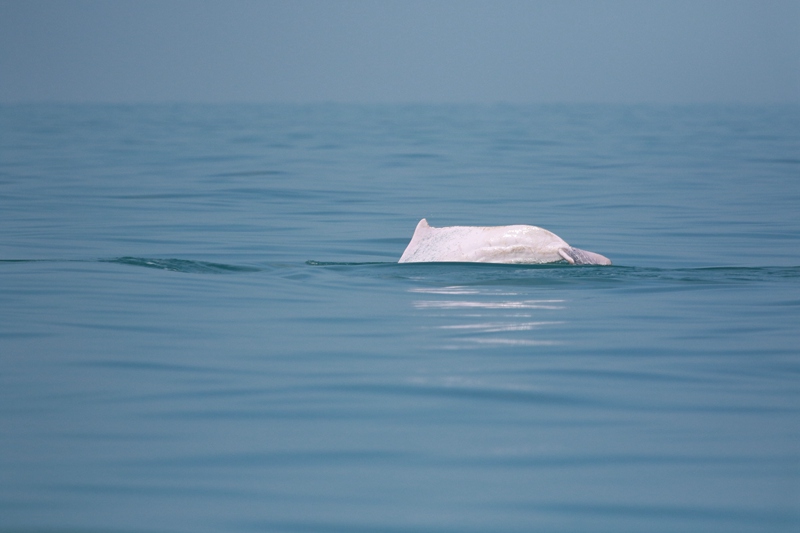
[203, 327]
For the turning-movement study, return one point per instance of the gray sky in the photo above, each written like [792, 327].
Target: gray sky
[400, 51]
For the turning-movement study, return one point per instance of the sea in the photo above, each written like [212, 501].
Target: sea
[204, 327]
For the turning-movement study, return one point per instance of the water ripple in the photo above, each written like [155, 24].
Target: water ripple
[182, 265]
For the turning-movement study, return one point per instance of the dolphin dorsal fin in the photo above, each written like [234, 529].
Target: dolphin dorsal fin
[419, 235]
[422, 229]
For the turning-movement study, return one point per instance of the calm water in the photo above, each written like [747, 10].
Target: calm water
[203, 328]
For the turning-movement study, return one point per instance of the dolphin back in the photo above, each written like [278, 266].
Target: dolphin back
[516, 244]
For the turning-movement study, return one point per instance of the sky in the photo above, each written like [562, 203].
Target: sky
[408, 51]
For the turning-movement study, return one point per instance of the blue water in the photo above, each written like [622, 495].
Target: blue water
[203, 327]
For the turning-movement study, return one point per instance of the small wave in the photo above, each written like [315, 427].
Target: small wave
[311, 262]
[711, 275]
[561, 273]
[185, 266]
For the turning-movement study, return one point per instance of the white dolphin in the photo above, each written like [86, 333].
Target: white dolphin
[493, 244]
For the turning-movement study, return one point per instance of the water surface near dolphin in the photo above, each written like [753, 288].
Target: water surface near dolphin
[203, 325]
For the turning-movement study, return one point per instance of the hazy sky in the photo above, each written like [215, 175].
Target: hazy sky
[400, 51]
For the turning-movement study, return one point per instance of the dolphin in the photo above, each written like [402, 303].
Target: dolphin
[493, 244]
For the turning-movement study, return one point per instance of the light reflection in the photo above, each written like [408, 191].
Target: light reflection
[508, 304]
[457, 290]
[513, 342]
[496, 327]
[444, 290]
[474, 316]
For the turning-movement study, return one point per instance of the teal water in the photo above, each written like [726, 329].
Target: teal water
[203, 326]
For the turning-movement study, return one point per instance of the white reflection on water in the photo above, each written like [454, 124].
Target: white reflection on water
[496, 327]
[513, 342]
[475, 316]
[508, 304]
